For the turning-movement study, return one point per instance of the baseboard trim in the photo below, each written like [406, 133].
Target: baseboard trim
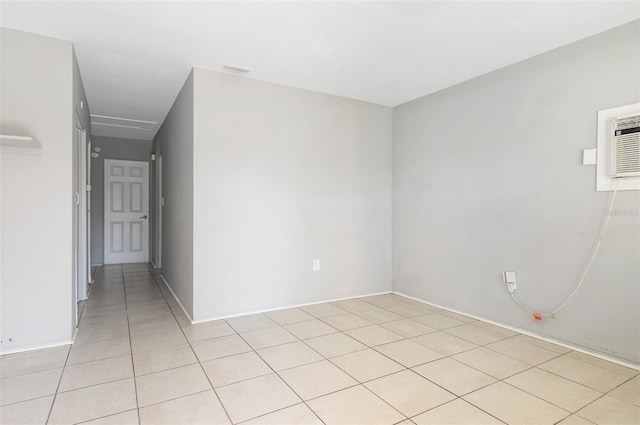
[37, 347]
[561, 343]
[284, 308]
[154, 265]
[97, 265]
[184, 310]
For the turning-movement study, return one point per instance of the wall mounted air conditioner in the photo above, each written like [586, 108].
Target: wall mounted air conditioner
[625, 147]
[618, 148]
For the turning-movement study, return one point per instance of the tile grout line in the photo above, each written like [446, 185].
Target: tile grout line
[477, 346]
[393, 373]
[105, 416]
[362, 383]
[133, 367]
[55, 394]
[193, 351]
[451, 356]
[457, 397]
[434, 383]
[278, 375]
[602, 394]
[36, 371]
[517, 373]
[359, 383]
[591, 365]
[278, 410]
[64, 367]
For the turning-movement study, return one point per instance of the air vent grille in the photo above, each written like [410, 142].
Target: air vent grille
[626, 146]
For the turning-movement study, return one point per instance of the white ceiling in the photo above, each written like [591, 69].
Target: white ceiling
[135, 56]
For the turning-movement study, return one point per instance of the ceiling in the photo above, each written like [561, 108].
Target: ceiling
[135, 56]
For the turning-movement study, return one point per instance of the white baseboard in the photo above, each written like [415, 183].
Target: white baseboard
[97, 265]
[561, 343]
[37, 347]
[154, 265]
[184, 310]
[284, 308]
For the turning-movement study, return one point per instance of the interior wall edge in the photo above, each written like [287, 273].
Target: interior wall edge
[231, 316]
[30, 348]
[567, 344]
[184, 310]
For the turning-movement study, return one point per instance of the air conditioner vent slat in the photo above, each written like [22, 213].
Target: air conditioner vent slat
[626, 146]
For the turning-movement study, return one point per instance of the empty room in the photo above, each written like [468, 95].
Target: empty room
[320, 212]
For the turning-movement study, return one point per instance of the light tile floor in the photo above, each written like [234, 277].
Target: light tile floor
[376, 360]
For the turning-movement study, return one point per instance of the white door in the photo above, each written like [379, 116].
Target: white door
[126, 210]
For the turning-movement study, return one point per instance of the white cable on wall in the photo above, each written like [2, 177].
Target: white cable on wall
[596, 249]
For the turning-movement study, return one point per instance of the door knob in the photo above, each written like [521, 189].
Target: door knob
[144, 217]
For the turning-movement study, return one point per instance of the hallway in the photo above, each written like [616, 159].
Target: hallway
[380, 359]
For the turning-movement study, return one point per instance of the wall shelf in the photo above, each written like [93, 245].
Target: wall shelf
[23, 145]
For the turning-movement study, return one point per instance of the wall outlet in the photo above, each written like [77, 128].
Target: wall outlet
[316, 265]
[511, 281]
[509, 277]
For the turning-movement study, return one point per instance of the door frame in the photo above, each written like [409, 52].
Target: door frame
[107, 202]
[81, 260]
[158, 208]
[88, 159]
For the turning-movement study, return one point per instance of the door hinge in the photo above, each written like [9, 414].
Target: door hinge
[88, 188]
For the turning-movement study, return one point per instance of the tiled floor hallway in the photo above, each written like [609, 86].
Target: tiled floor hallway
[376, 360]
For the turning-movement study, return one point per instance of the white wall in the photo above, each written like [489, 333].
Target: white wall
[174, 142]
[283, 176]
[488, 177]
[36, 291]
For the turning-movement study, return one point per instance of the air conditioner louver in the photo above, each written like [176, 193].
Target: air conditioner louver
[626, 147]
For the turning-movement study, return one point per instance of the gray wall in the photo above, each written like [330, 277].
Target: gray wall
[283, 176]
[174, 142]
[487, 178]
[81, 111]
[111, 148]
[36, 285]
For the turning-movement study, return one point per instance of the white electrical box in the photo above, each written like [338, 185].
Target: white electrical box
[589, 157]
[509, 277]
[510, 280]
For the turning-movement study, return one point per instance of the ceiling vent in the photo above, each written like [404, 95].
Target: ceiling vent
[625, 146]
[118, 122]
